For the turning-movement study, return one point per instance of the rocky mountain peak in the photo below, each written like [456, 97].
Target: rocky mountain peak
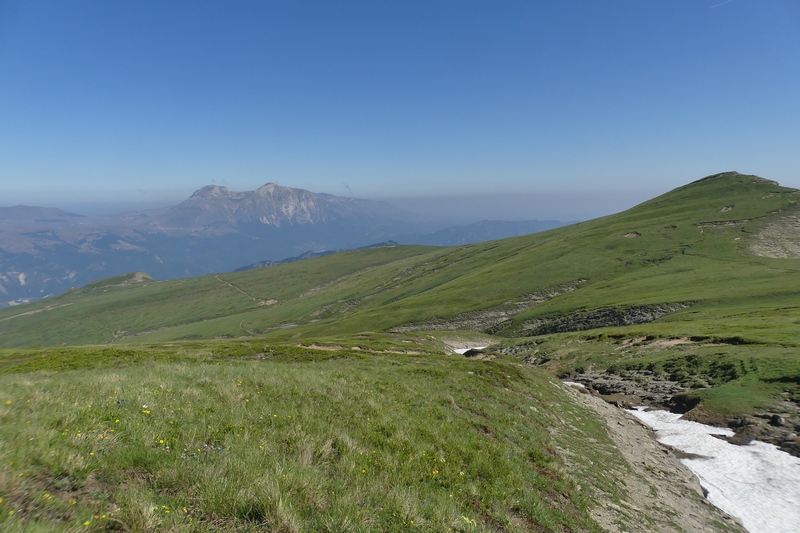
[215, 208]
[269, 187]
[211, 191]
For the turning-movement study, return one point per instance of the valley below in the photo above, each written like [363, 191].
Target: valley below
[46, 251]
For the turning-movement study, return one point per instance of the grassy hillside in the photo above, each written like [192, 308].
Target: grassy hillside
[680, 265]
[243, 437]
[322, 395]
[688, 246]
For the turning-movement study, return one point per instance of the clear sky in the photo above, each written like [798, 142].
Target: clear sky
[567, 106]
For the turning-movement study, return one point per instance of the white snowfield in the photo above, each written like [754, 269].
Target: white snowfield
[758, 483]
[462, 351]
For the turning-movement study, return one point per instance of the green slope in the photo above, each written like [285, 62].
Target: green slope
[678, 266]
[177, 439]
[312, 396]
[687, 247]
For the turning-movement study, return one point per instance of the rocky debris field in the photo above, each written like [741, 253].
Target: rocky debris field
[779, 426]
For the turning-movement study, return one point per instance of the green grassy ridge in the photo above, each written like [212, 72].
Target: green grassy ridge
[108, 311]
[326, 441]
[599, 250]
[682, 265]
[652, 253]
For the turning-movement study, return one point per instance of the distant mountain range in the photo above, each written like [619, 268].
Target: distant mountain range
[44, 251]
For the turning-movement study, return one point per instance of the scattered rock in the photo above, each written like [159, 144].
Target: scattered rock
[683, 402]
[741, 438]
[777, 420]
[739, 422]
[635, 390]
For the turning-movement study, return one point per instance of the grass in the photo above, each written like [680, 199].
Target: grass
[689, 246]
[280, 399]
[331, 441]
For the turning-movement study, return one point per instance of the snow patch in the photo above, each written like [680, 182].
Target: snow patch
[462, 351]
[758, 483]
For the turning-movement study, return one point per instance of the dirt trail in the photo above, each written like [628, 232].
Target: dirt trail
[48, 308]
[663, 495]
[259, 301]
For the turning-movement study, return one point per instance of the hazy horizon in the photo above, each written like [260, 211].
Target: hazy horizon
[455, 208]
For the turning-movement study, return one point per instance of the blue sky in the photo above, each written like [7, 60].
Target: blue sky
[570, 108]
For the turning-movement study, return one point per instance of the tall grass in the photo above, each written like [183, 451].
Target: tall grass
[336, 443]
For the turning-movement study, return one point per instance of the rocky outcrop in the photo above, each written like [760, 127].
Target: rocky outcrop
[778, 239]
[601, 317]
[491, 318]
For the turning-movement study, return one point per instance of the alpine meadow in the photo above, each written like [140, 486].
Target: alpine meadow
[325, 394]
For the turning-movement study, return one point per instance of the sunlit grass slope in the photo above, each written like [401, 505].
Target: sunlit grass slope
[277, 438]
[683, 261]
[319, 396]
